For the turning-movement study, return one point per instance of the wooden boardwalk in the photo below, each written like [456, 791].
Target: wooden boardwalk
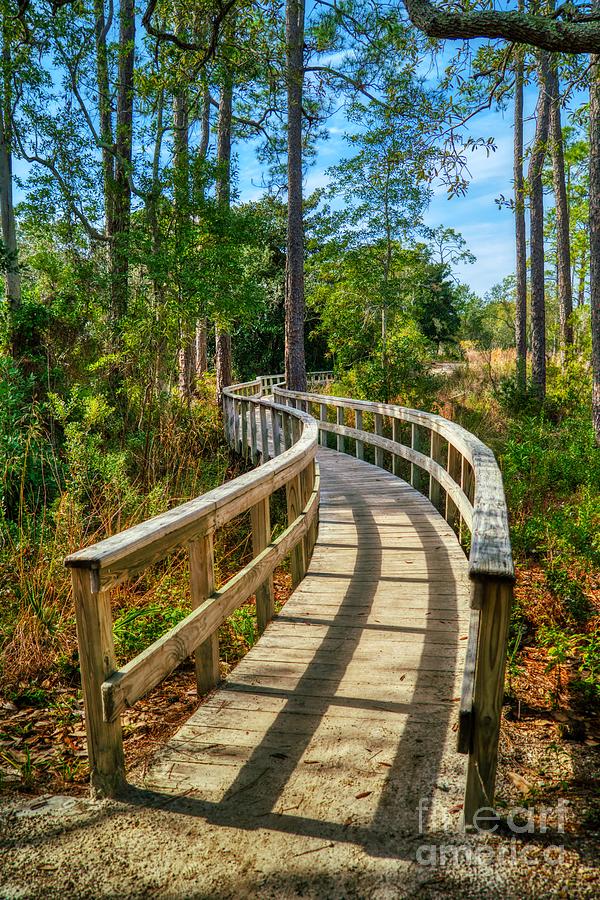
[340, 723]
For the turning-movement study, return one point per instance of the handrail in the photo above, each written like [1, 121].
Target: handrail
[467, 488]
[287, 462]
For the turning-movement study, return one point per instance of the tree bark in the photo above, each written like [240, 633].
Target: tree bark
[520, 231]
[536, 232]
[223, 193]
[595, 235]
[201, 349]
[546, 32]
[295, 364]
[105, 114]
[12, 275]
[123, 144]
[181, 192]
[561, 203]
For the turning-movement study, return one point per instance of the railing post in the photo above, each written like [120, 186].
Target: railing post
[97, 661]
[260, 517]
[276, 432]
[435, 490]
[467, 484]
[455, 471]
[253, 433]
[244, 413]
[323, 418]
[202, 585]
[417, 476]
[397, 438]
[488, 696]
[378, 430]
[293, 492]
[264, 433]
[340, 419]
[288, 439]
[358, 424]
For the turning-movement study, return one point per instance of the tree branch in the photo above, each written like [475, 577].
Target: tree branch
[577, 35]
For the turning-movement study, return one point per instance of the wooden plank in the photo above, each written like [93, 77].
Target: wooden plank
[322, 418]
[488, 697]
[467, 694]
[244, 411]
[358, 425]
[397, 438]
[435, 489]
[260, 516]
[253, 434]
[294, 505]
[97, 660]
[378, 419]
[202, 586]
[417, 443]
[264, 433]
[455, 473]
[148, 668]
[276, 431]
[340, 438]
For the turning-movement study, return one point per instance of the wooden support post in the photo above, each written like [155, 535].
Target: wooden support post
[202, 584]
[467, 483]
[435, 491]
[417, 476]
[311, 536]
[455, 471]
[488, 697]
[340, 419]
[264, 434]
[276, 429]
[253, 433]
[358, 424]
[260, 517]
[397, 438]
[378, 430]
[244, 413]
[288, 439]
[323, 418]
[97, 661]
[294, 508]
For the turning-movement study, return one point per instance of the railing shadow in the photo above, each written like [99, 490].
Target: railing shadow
[411, 784]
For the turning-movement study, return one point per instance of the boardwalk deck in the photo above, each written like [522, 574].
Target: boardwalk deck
[340, 723]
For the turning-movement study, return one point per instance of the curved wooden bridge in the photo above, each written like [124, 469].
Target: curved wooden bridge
[373, 700]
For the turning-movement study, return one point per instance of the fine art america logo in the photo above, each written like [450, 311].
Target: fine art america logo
[518, 822]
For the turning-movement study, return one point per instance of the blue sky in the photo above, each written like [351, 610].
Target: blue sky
[488, 230]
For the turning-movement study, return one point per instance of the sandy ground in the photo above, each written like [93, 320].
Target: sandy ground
[150, 847]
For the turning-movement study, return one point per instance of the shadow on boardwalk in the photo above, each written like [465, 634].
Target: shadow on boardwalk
[250, 800]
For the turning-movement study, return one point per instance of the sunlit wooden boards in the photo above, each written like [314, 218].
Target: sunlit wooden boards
[346, 708]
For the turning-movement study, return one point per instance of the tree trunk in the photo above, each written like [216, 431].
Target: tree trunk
[536, 232]
[122, 189]
[563, 235]
[581, 276]
[222, 361]
[520, 232]
[201, 350]
[223, 192]
[181, 193]
[105, 114]
[12, 276]
[295, 364]
[595, 234]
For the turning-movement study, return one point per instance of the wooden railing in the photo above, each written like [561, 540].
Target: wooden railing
[288, 460]
[460, 476]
